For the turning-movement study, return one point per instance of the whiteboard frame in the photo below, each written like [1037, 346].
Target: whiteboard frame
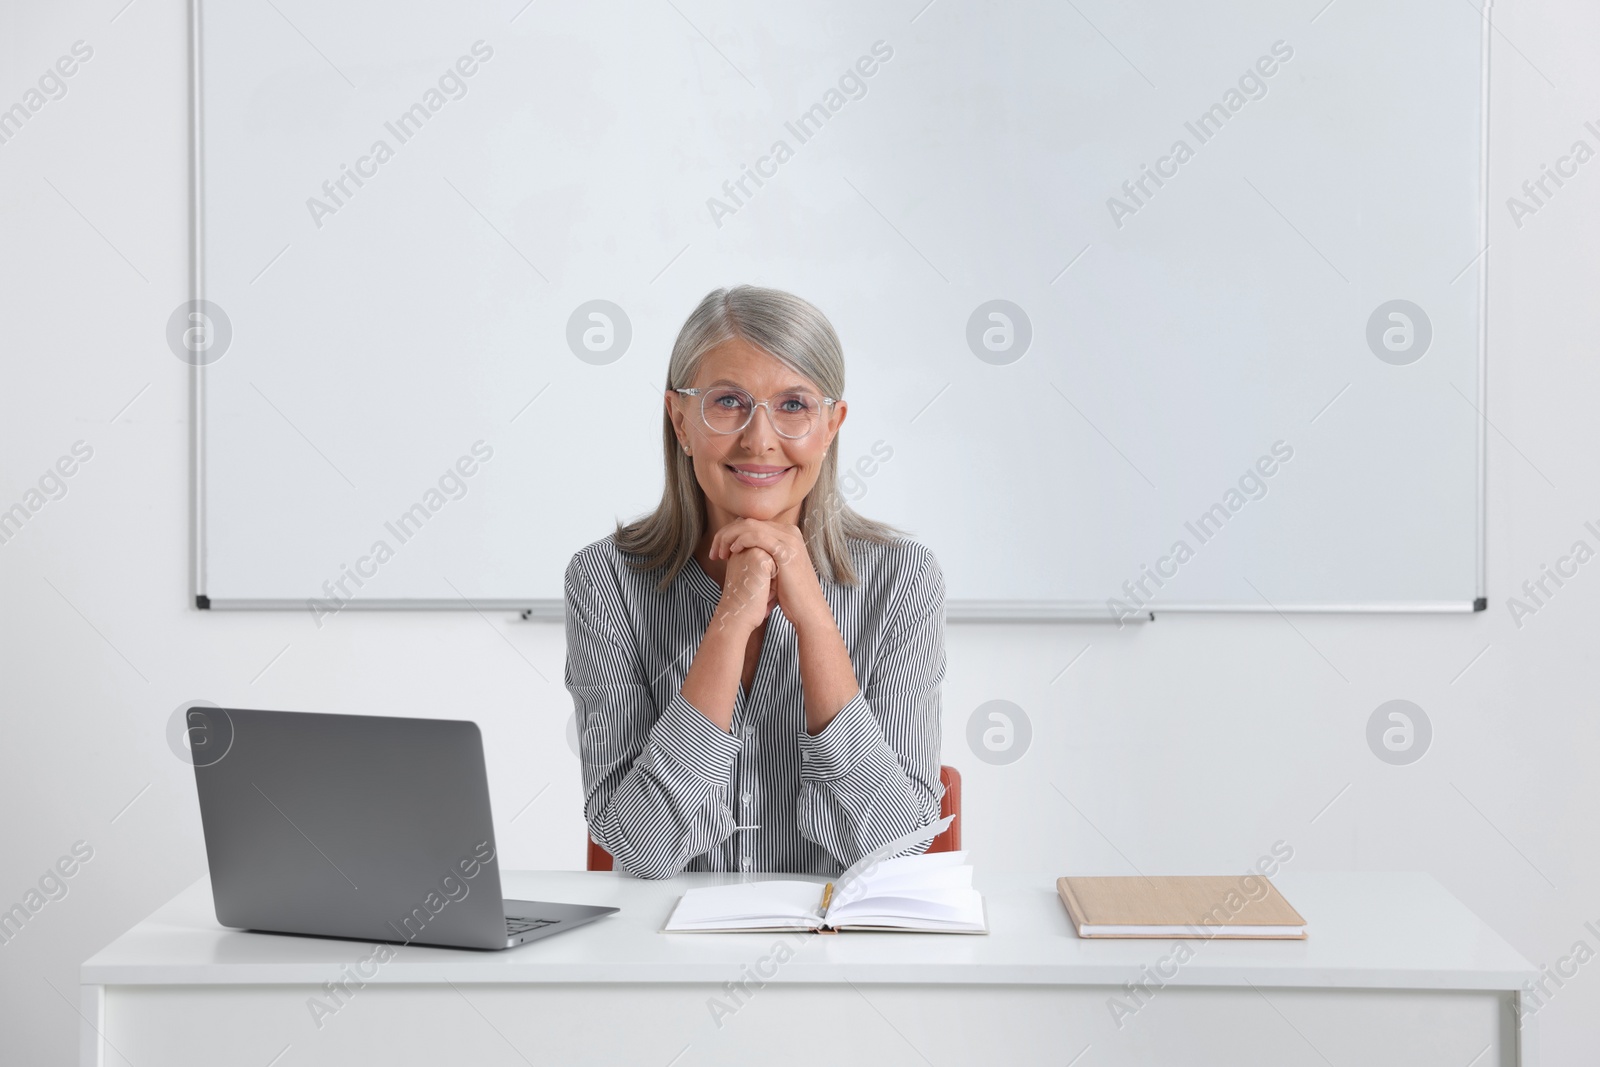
[197, 393]
[966, 610]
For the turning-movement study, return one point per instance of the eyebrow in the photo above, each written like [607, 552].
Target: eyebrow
[800, 388]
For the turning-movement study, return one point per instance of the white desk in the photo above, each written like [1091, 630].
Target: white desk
[1396, 971]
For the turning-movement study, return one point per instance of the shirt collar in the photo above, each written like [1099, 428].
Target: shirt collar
[708, 589]
[701, 582]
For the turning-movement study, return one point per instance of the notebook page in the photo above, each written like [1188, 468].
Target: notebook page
[849, 885]
[739, 925]
[913, 881]
[953, 905]
[748, 903]
[930, 926]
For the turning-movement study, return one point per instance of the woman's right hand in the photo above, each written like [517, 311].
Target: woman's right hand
[749, 590]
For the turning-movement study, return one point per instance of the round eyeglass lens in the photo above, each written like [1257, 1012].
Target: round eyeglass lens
[728, 410]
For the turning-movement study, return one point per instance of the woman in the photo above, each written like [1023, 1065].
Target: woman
[755, 666]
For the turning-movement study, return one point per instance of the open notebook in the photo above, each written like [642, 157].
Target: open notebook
[924, 893]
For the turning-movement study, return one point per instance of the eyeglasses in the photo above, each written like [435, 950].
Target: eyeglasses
[729, 409]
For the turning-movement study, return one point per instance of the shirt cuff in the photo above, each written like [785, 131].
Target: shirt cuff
[694, 741]
[850, 739]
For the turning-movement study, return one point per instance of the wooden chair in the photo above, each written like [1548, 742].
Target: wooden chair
[949, 841]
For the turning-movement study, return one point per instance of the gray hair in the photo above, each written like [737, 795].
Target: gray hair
[800, 337]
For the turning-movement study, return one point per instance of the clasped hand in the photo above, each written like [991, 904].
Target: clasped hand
[768, 566]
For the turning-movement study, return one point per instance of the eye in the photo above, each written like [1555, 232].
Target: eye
[728, 400]
[794, 404]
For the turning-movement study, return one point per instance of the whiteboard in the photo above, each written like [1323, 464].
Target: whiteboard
[1074, 341]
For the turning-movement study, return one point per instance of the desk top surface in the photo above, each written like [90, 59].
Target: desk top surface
[1366, 930]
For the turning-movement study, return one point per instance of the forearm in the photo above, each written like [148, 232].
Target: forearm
[712, 684]
[827, 676]
[857, 790]
[873, 773]
[669, 807]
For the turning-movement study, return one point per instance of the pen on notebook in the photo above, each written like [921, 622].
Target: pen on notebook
[827, 897]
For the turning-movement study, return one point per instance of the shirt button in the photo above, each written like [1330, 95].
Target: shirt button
[805, 755]
[747, 863]
[749, 730]
[747, 796]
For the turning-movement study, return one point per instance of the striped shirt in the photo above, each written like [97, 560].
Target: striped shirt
[667, 790]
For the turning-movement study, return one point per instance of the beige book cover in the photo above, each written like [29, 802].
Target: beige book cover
[1204, 906]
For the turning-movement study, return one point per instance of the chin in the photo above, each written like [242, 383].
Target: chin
[763, 510]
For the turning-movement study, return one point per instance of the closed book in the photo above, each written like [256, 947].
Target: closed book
[1203, 906]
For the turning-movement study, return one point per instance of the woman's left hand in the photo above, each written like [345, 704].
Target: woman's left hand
[827, 674]
[799, 591]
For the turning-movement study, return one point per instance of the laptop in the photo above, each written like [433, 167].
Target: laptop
[357, 826]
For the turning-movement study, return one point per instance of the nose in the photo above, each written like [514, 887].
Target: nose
[759, 434]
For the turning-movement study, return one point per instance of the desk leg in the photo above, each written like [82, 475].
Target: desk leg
[1527, 1024]
[92, 1025]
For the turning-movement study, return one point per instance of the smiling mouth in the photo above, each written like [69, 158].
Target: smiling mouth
[757, 474]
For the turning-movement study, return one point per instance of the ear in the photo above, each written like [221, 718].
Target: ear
[675, 413]
[836, 419]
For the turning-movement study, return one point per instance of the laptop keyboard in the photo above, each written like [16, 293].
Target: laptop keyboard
[518, 925]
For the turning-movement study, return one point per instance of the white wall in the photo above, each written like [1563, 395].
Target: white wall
[1191, 744]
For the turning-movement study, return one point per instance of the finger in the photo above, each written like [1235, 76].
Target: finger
[781, 557]
[726, 533]
[781, 551]
[724, 546]
[722, 542]
[743, 533]
[726, 541]
[787, 550]
[747, 540]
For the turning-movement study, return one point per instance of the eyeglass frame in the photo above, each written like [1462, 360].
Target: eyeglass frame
[827, 401]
